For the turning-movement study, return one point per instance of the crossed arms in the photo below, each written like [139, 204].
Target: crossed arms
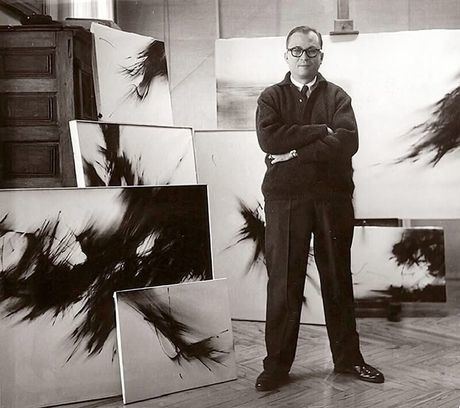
[312, 143]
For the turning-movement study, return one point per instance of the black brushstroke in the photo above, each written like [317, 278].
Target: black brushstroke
[253, 230]
[150, 64]
[440, 134]
[117, 167]
[162, 238]
[421, 247]
[43, 280]
[161, 317]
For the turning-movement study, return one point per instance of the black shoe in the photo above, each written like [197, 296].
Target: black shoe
[364, 372]
[268, 381]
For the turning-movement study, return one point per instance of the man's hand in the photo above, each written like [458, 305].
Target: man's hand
[278, 158]
[329, 140]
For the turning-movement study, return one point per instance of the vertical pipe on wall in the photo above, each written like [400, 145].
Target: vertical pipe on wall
[115, 11]
[278, 17]
[218, 17]
[167, 36]
[343, 9]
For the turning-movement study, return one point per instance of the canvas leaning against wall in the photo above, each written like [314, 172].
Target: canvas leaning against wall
[232, 164]
[63, 253]
[407, 105]
[401, 264]
[130, 78]
[109, 154]
[173, 338]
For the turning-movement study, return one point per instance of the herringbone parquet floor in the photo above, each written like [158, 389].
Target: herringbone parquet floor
[420, 357]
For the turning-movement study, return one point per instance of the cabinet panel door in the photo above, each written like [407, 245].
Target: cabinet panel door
[28, 109]
[26, 159]
[36, 103]
[27, 63]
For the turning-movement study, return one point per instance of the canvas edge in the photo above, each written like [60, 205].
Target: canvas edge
[78, 162]
[97, 90]
[119, 348]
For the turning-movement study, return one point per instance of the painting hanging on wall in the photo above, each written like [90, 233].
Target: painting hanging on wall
[109, 154]
[130, 78]
[408, 162]
[173, 338]
[401, 264]
[63, 253]
[232, 164]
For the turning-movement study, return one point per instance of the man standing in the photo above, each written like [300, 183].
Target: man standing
[307, 127]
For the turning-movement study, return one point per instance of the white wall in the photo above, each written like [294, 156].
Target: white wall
[190, 28]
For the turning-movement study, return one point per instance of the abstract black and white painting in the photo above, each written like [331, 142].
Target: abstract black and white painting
[63, 253]
[109, 154]
[173, 338]
[131, 78]
[232, 164]
[404, 264]
[408, 163]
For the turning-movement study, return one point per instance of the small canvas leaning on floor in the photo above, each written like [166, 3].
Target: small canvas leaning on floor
[173, 338]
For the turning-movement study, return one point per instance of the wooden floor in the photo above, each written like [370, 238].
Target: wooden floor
[420, 357]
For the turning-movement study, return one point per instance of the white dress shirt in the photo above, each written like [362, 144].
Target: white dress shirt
[299, 85]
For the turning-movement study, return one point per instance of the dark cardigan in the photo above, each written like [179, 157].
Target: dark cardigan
[286, 121]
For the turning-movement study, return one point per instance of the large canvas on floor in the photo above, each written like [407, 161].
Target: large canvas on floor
[131, 78]
[232, 164]
[109, 154]
[173, 338]
[407, 106]
[63, 253]
[402, 264]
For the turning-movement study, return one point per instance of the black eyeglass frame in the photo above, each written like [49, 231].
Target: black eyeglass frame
[311, 52]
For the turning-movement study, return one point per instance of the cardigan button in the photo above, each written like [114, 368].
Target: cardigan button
[300, 100]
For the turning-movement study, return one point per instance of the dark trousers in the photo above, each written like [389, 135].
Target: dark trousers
[289, 226]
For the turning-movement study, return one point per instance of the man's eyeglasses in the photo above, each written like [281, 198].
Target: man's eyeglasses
[311, 52]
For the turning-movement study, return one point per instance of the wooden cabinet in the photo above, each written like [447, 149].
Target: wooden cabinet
[45, 81]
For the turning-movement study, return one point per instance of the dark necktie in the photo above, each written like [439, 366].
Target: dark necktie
[304, 91]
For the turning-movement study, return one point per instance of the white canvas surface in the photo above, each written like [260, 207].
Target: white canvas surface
[232, 164]
[156, 155]
[153, 365]
[116, 51]
[394, 82]
[34, 372]
[375, 267]
[35, 369]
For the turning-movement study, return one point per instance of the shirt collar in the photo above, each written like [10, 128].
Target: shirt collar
[299, 85]
[320, 80]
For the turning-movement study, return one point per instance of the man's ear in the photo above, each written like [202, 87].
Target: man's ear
[285, 56]
[321, 57]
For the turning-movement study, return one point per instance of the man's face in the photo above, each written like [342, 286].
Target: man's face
[303, 68]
